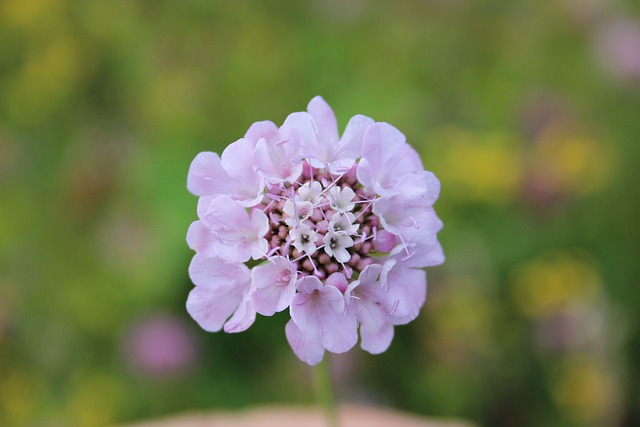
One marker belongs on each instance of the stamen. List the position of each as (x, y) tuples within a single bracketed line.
[(273, 251), (409, 256), (415, 224), (312, 263), (273, 218), (269, 205), (396, 304), (347, 270), (343, 169), (304, 255)]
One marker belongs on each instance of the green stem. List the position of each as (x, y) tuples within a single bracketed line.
[(325, 394)]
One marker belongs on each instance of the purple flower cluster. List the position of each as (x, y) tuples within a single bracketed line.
[(336, 229)]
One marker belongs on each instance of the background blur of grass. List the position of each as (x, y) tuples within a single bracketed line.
[(528, 111)]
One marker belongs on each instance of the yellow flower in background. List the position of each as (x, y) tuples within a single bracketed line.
[(554, 280), (480, 167), (20, 395), (50, 74), (94, 399), (463, 329), (50, 60), (584, 390), (30, 15), (569, 161)]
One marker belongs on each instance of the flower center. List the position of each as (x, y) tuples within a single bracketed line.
[(323, 223)]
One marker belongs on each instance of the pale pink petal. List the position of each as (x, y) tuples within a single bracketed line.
[(325, 122), (406, 293), (309, 284), (259, 222), (433, 187), (408, 212), (385, 158), (365, 306), (370, 274), (206, 176), (243, 317), (306, 307), (338, 332), (246, 184), (273, 285), (211, 307), (420, 253), (236, 252), (321, 310), (384, 241), (376, 341), (220, 287), (300, 127), (279, 160), (222, 212), (265, 129), (202, 240), (337, 280), (350, 146), (306, 345), (216, 272), (240, 235)]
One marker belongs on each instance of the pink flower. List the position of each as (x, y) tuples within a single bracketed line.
[(617, 48), (337, 229), (160, 345)]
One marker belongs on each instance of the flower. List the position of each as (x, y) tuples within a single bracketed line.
[(337, 229), (617, 49), (160, 345)]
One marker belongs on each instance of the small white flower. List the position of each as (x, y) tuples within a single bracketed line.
[(309, 193), (341, 198), (343, 223), (336, 245), (297, 212), (304, 238)]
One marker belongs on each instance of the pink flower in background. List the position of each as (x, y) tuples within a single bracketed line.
[(337, 229), (617, 47), (160, 345)]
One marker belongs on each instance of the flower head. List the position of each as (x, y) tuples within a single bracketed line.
[(339, 226)]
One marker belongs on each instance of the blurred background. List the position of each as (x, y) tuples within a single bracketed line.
[(528, 112)]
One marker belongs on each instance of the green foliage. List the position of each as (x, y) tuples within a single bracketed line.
[(532, 320)]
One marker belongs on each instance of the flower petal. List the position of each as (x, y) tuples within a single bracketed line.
[(325, 123), (265, 129), (271, 291), (202, 240), (241, 236), (220, 287), (246, 184), (338, 332), (350, 145), (211, 307), (406, 293), (215, 272), (206, 176), (376, 341), (385, 157), (243, 317), (305, 345)]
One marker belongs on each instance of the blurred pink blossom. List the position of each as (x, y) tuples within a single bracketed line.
[(160, 345), (617, 48)]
